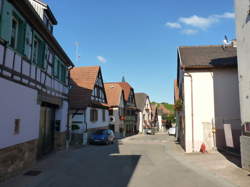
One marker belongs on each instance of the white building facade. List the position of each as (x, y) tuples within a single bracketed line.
[(209, 93), (34, 88), (88, 101), (243, 47), (144, 118)]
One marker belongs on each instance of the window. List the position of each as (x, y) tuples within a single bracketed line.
[(1, 5), (17, 126), (93, 115), (111, 112), (247, 127), (14, 33), (46, 57), (56, 67), (47, 23), (103, 115), (63, 73), (28, 42), (121, 112), (35, 50)]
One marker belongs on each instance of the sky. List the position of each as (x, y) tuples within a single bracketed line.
[(138, 39)]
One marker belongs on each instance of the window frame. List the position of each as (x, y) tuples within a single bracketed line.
[(15, 19), (103, 115), (93, 115), (35, 53)]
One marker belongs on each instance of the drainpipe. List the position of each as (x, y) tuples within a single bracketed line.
[(85, 134), (68, 130), (192, 109)]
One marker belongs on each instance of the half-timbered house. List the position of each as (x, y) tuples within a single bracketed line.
[(34, 85), (88, 102), (130, 109), (144, 117), (116, 103)]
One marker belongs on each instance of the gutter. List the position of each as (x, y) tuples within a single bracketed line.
[(32, 17), (68, 129), (192, 108)]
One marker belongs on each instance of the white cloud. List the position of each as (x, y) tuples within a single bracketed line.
[(173, 25), (189, 31), (101, 59), (199, 22), (226, 15), (205, 22)]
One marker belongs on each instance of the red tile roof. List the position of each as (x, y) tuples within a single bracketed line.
[(113, 93), (126, 88), (83, 80)]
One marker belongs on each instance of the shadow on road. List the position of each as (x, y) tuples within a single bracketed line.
[(231, 157), (91, 166)]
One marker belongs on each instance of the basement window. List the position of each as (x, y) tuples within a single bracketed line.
[(17, 126)]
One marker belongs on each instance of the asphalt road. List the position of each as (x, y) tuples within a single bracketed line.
[(139, 161)]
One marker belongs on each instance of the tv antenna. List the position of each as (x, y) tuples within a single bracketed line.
[(77, 44)]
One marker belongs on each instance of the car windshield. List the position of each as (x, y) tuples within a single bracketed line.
[(100, 132)]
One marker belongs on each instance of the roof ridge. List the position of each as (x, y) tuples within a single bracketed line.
[(200, 46), (86, 66)]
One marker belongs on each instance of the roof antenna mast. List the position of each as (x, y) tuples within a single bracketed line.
[(77, 51)]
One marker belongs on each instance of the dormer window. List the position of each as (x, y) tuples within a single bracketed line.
[(47, 23)]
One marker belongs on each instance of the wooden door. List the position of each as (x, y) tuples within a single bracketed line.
[(46, 131)]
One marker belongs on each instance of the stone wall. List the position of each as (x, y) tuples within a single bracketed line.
[(16, 158), (245, 151)]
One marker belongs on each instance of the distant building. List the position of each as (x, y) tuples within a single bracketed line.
[(130, 109), (243, 46), (144, 117), (88, 101), (207, 84), (116, 103), (34, 85)]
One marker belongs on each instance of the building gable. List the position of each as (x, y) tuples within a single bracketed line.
[(122, 101), (131, 98), (98, 93)]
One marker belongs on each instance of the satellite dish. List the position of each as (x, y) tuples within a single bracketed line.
[(225, 41)]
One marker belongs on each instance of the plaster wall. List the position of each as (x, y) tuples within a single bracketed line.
[(92, 125), (215, 103), (243, 55), (199, 107), (62, 115), (18, 102)]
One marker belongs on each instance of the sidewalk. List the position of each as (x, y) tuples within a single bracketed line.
[(225, 166)]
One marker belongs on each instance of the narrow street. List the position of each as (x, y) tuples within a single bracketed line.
[(135, 161)]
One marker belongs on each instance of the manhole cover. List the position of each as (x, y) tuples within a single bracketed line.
[(33, 173)]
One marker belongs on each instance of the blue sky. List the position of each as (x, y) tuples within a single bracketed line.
[(139, 38)]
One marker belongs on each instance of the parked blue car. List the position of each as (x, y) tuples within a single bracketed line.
[(104, 136)]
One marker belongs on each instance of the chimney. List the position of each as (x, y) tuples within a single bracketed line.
[(234, 43)]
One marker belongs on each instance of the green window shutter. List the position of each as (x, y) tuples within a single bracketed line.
[(28, 42), (6, 21), (46, 54), (55, 66), (63, 73), (59, 69), (41, 53), (21, 36)]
